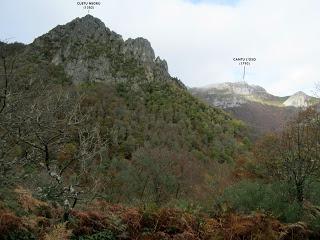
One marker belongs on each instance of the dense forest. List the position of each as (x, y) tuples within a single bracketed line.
[(98, 141)]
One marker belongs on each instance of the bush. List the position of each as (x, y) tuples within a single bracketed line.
[(274, 199), (11, 228)]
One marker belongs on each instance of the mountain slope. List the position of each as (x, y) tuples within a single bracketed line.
[(234, 94), (229, 94), (263, 112), (94, 116), (262, 118)]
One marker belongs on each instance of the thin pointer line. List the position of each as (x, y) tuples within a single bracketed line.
[(244, 72)]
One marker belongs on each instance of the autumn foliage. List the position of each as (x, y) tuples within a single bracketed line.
[(119, 222)]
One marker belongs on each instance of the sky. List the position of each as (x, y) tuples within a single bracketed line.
[(199, 38)]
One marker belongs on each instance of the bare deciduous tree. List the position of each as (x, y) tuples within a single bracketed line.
[(294, 154)]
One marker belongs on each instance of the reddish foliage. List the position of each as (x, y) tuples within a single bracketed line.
[(174, 221), (240, 227), (9, 223), (296, 231), (88, 222), (176, 224), (173, 224), (132, 218)]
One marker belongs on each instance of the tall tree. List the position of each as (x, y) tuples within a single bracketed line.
[(294, 154)]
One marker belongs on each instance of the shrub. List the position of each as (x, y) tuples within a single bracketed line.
[(88, 223), (11, 228), (274, 199)]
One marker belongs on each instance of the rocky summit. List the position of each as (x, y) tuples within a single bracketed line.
[(299, 99), (91, 52)]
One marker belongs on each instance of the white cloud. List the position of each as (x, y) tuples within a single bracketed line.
[(200, 40)]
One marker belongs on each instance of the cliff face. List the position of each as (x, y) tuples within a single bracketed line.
[(90, 52)]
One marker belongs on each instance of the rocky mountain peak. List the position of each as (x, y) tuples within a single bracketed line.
[(299, 99), (89, 51), (88, 22), (300, 93), (90, 19), (80, 30)]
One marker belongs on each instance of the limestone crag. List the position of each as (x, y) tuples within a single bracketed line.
[(90, 52), (140, 48)]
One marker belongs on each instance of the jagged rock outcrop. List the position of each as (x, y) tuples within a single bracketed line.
[(162, 63), (140, 48), (88, 51), (75, 47)]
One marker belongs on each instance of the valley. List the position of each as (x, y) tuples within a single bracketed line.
[(99, 141)]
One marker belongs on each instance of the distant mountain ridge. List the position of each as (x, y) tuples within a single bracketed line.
[(229, 95), (262, 111)]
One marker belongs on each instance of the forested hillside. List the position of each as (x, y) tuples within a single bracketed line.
[(98, 141), (86, 115)]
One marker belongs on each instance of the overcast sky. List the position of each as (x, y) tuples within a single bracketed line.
[(199, 38)]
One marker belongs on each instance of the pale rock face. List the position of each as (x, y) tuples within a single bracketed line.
[(230, 95), (299, 99), (239, 88), (228, 102)]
